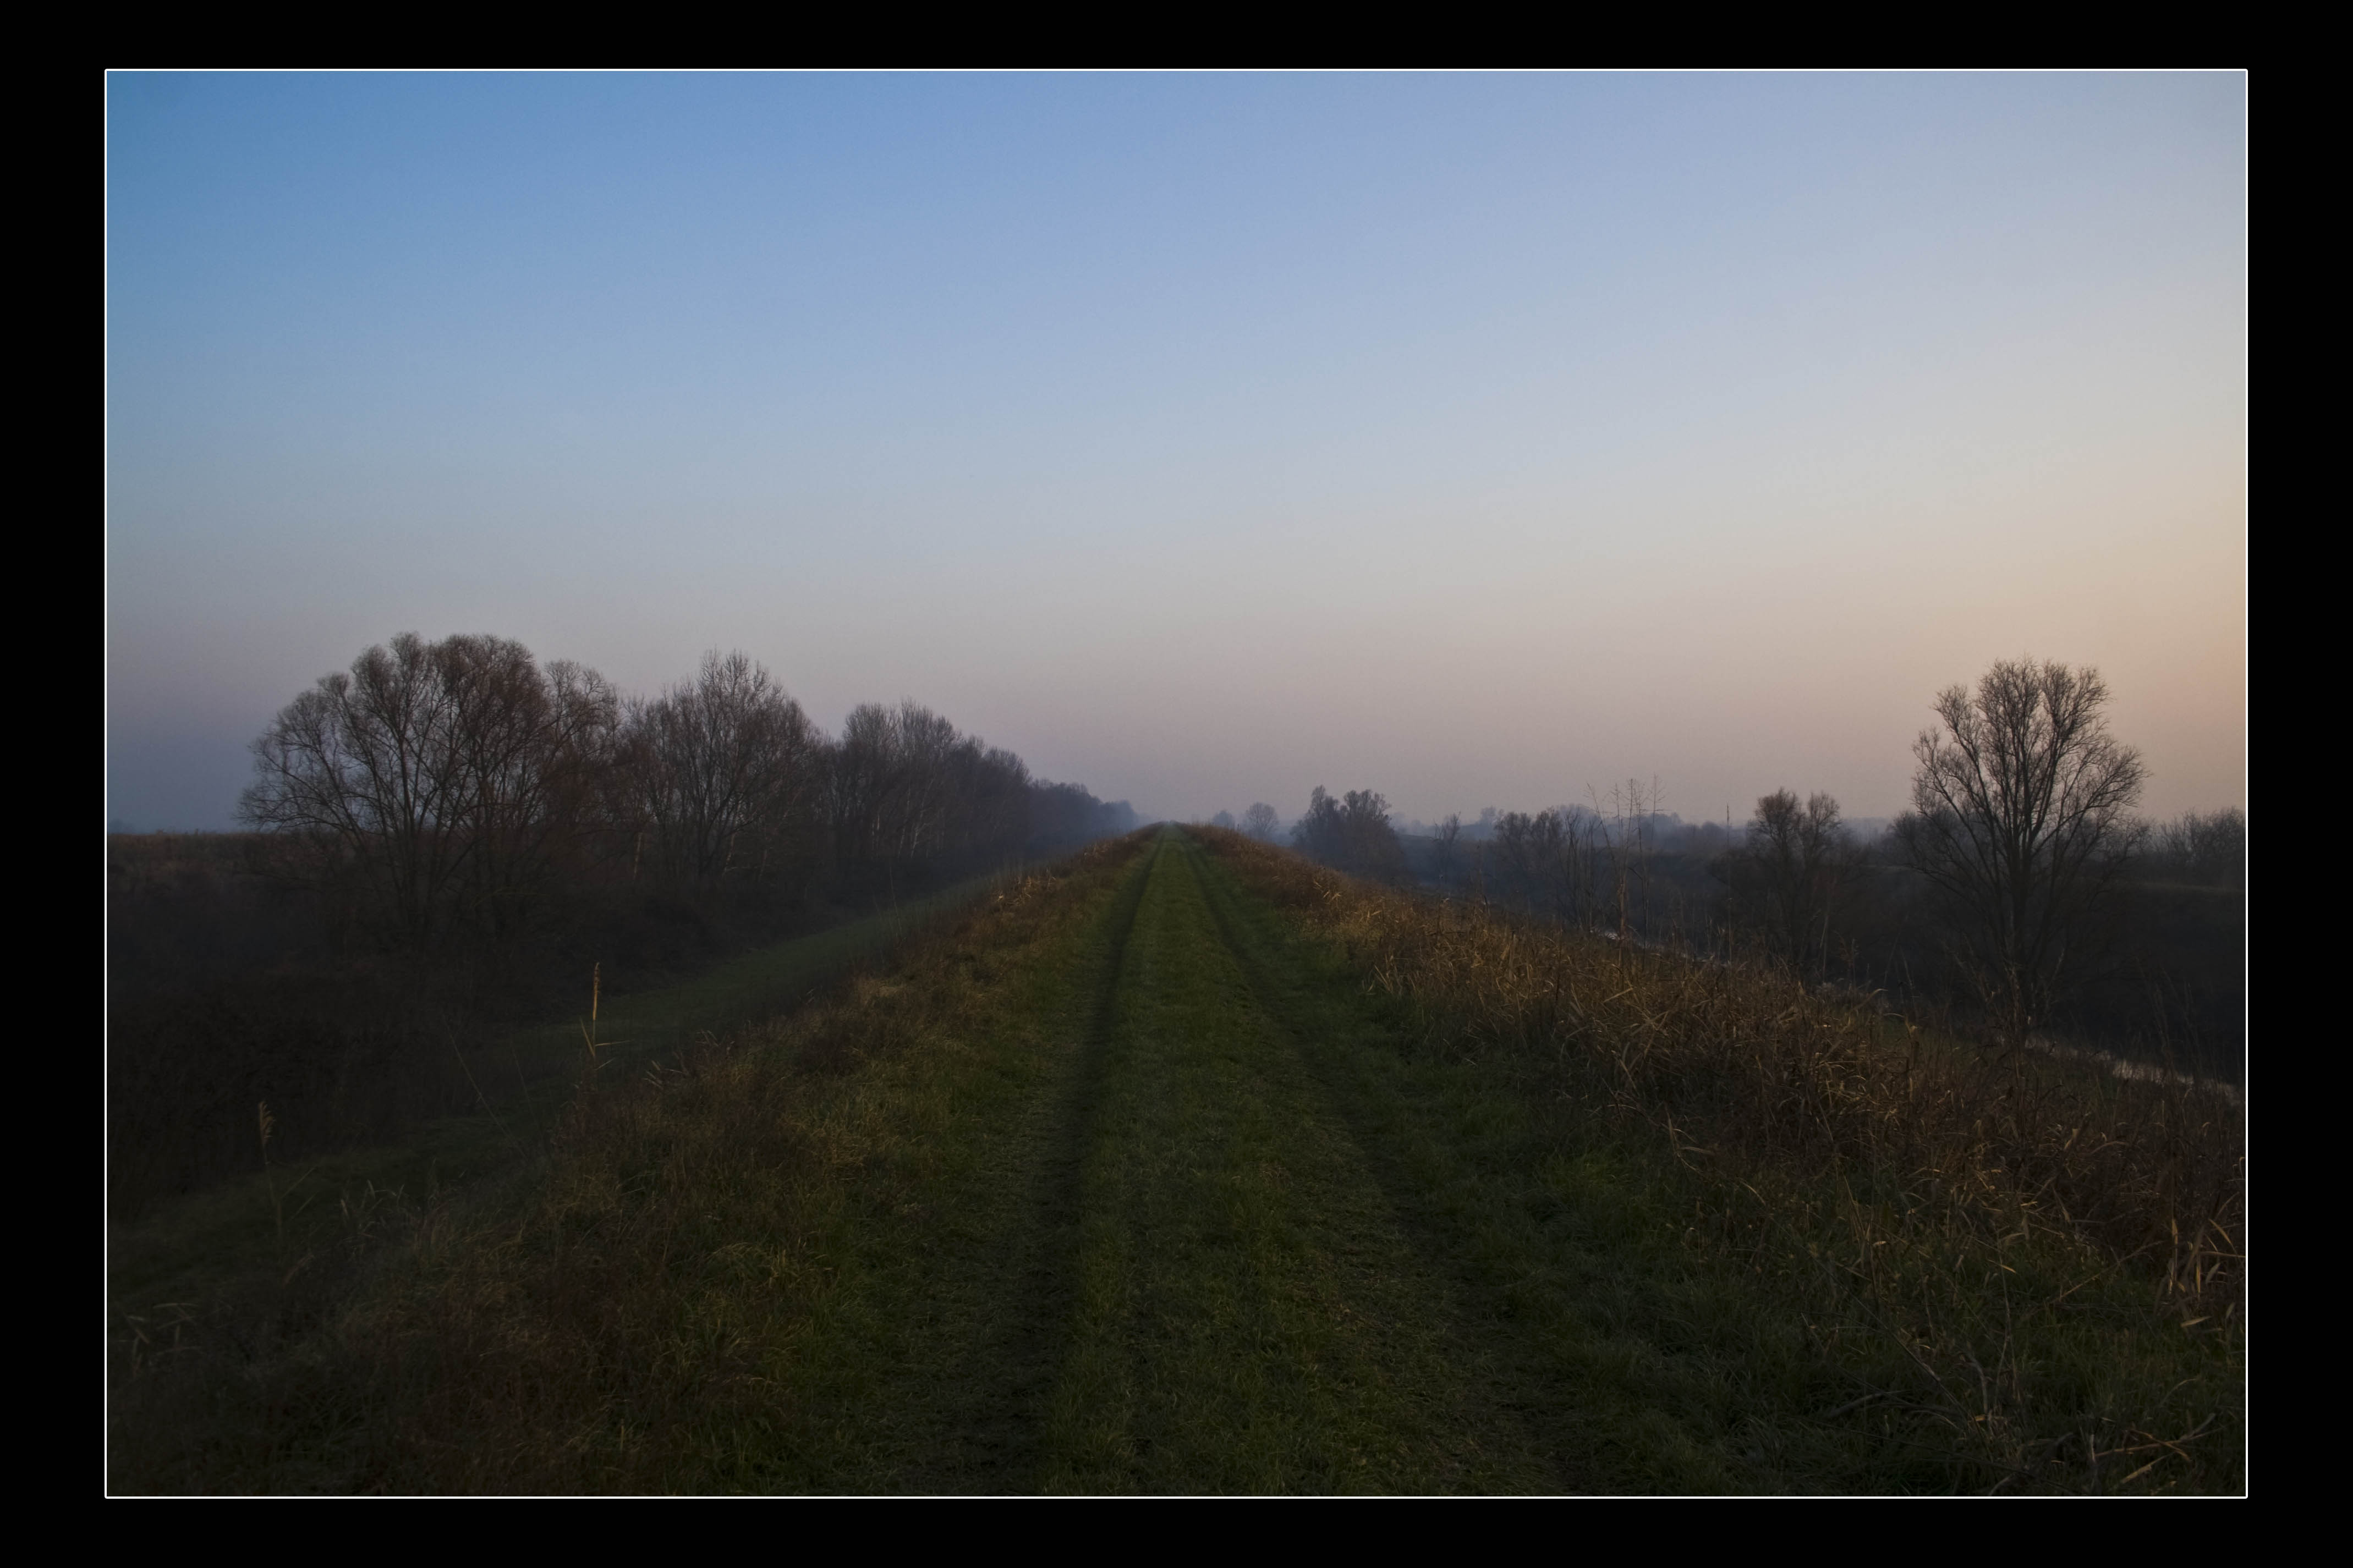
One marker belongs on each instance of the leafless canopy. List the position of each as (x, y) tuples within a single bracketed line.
[(1351, 832), (1798, 860), (906, 785), (2020, 815), (448, 785), (441, 773), (715, 760), (2209, 847)]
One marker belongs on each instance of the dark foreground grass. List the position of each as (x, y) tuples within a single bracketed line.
[(658, 1291), (215, 1296), (521, 1088), (1154, 1174)]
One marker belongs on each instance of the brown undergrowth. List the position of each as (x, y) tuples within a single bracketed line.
[(2007, 1231)]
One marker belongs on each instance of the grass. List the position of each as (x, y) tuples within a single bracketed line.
[(516, 1307), (1907, 1264), (1185, 1167), (258, 1259)]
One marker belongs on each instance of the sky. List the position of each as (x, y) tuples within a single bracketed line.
[(1481, 439)]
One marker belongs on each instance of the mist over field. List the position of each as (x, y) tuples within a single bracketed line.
[(1482, 440)]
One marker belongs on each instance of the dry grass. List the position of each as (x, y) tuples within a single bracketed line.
[(1968, 1210)]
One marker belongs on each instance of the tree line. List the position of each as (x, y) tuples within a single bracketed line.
[(452, 789), (2004, 884)]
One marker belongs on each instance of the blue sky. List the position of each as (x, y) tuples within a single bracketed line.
[(1479, 439)]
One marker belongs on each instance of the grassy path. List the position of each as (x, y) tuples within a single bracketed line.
[(1252, 1311), (1185, 1257), (1116, 1181), (1134, 1191)]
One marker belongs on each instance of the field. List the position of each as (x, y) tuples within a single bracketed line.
[(1182, 1167)]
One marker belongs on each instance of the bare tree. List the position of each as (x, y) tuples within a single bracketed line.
[(992, 816), (1064, 815), (1583, 839), (904, 787), (1518, 874), (2206, 847), (525, 747), (1351, 833), (1262, 822), (448, 780), (725, 758), (2020, 817), (915, 818), (439, 775), (1450, 840), (1623, 832), (1791, 871), (862, 771), (1546, 860), (358, 764)]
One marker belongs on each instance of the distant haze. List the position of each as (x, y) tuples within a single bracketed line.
[(1479, 439)]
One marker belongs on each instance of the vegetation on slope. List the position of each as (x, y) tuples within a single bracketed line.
[(1998, 1270), (1175, 1170)]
